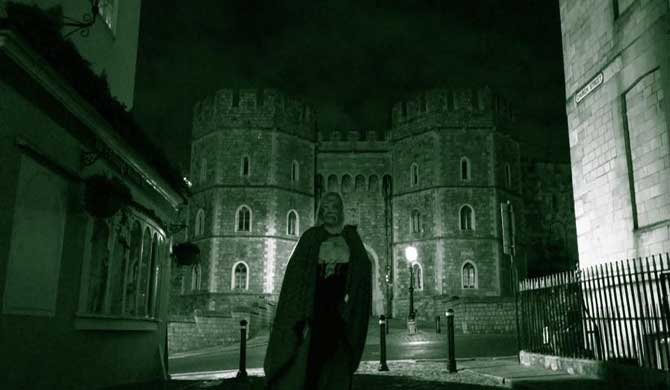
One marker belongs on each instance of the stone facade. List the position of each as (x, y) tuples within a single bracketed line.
[(615, 56), (410, 185), (550, 217)]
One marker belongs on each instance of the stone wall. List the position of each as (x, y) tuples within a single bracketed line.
[(615, 80), (479, 315), (206, 329)]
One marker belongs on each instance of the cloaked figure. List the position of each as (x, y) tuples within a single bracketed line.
[(321, 322)]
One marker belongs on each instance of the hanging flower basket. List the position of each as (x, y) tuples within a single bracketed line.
[(104, 196), (186, 253)]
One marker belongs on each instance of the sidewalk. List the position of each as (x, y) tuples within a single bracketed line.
[(504, 372)]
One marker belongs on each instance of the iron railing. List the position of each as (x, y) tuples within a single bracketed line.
[(616, 311)]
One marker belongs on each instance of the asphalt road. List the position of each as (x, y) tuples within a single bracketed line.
[(466, 346)]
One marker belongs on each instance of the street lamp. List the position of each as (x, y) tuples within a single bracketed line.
[(411, 256)]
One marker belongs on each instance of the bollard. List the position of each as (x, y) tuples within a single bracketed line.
[(438, 329), (451, 354), (242, 373), (382, 344)]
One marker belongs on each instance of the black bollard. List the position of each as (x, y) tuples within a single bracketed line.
[(451, 354), (382, 344), (438, 329), (242, 373)]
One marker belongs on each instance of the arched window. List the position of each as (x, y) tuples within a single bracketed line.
[(195, 278), (240, 276), (295, 171), (467, 218), (415, 221), (418, 276), (292, 223), (414, 175), (465, 169), (243, 219), (360, 183), (508, 175), (97, 288), (347, 184), (132, 270), (333, 184), (469, 275), (245, 167), (199, 228), (373, 183)]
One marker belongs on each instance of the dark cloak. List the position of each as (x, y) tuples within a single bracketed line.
[(286, 357)]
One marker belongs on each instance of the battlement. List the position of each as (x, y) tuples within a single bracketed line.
[(455, 107), (257, 108), (353, 140)]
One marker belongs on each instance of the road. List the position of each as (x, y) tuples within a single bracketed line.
[(427, 345)]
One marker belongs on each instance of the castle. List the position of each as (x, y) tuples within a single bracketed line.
[(435, 181)]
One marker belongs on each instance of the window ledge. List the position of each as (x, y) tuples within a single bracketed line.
[(114, 323)]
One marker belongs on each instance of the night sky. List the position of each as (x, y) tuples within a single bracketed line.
[(351, 59)]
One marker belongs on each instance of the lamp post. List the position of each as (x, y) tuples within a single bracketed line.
[(411, 256)]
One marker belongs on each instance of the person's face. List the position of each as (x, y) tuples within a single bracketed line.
[(331, 209)]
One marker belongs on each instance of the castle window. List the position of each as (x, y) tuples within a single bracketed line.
[(292, 223), (132, 272), (295, 171), (415, 221), (469, 275), (373, 183), (196, 277), (243, 216), (360, 183), (414, 175), (347, 184), (418, 276), (333, 184), (467, 220), (240, 277), (508, 175), (465, 169), (245, 167), (199, 228), (108, 10)]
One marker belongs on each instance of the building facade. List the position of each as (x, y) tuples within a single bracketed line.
[(435, 181), (616, 57), (84, 294)]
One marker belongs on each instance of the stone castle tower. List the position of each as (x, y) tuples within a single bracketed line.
[(252, 167), (435, 180)]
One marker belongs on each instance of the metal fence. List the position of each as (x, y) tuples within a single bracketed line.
[(616, 311)]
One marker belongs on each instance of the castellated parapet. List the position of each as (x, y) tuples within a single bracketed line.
[(449, 108), (253, 108), (353, 141)]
